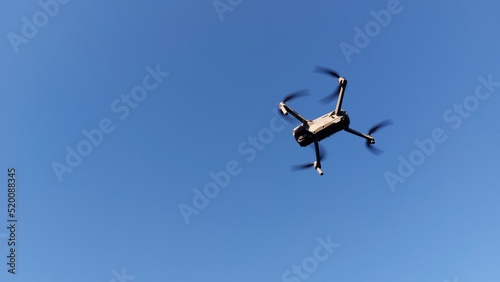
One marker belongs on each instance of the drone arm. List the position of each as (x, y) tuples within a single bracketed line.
[(287, 110), (357, 133), (343, 83)]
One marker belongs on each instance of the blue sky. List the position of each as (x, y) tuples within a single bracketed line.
[(172, 92)]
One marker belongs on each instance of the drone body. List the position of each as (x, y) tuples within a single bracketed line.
[(320, 128), (313, 131)]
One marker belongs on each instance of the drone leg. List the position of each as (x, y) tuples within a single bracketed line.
[(287, 110), (370, 139), (318, 169), (317, 163)]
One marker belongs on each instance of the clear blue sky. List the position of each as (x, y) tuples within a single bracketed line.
[(206, 83)]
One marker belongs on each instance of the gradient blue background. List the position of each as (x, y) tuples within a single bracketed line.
[(120, 207)]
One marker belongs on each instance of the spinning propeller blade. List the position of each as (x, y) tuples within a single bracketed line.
[(336, 92), (379, 125), (294, 95), (374, 129), (373, 149), (331, 97), (327, 71), (322, 156), (302, 166)]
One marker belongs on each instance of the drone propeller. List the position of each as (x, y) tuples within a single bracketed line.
[(336, 92), (322, 156), (302, 166), (294, 95), (379, 125), (374, 129), (327, 71), (331, 97), (376, 151)]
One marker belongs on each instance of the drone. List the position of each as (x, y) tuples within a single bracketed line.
[(313, 131)]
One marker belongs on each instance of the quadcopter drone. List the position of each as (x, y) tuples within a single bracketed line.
[(313, 131)]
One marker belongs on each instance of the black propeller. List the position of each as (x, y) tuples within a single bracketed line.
[(374, 129), (294, 95), (302, 166), (327, 71), (331, 97), (379, 125), (322, 155), (335, 93)]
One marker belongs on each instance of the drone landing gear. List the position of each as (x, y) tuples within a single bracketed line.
[(317, 163), (318, 169)]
